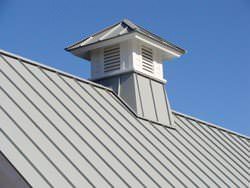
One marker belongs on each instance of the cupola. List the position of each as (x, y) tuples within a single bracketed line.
[(129, 59)]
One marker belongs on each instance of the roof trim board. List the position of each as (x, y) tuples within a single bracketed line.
[(25, 60)]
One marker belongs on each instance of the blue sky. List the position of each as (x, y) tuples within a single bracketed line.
[(210, 82)]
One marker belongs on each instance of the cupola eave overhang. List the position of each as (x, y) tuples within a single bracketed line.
[(130, 31), (168, 51)]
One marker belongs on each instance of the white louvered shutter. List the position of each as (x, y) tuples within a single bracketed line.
[(147, 59), (111, 58)]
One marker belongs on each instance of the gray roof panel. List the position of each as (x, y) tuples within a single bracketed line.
[(61, 131)]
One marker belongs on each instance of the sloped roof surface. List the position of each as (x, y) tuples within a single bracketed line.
[(60, 131), (121, 28)]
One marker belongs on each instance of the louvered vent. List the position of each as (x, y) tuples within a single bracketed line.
[(147, 59), (112, 58)]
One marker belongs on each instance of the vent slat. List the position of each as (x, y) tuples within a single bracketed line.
[(113, 62), (111, 65), (147, 54), (111, 50), (147, 59), (112, 58), (112, 68), (147, 50), (111, 53), (147, 69), (147, 64)]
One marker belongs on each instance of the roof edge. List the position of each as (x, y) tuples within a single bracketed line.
[(135, 28), (15, 169), (211, 125), (29, 61), (71, 47)]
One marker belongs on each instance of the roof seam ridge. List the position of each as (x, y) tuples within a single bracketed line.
[(211, 124), (34, 63)]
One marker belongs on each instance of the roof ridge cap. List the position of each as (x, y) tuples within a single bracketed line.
[(129, 23)]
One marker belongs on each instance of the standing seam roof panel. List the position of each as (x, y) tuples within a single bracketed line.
[(207, 145), (96, 102), (178, 168), (224, 165), (75, 119), (228, 156), (71, 132), (31, 109), (25, 166)]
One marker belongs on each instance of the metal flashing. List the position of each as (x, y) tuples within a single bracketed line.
[(146, 96), (130, 71)]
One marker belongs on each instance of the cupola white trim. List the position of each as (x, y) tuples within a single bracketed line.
[(134, 55)]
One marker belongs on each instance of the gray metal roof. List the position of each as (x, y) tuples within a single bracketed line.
[(123, 27), (146, 97), (61, 131)]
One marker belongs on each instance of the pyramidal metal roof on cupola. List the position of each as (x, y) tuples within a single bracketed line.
[(121, 28), (59, 130)]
